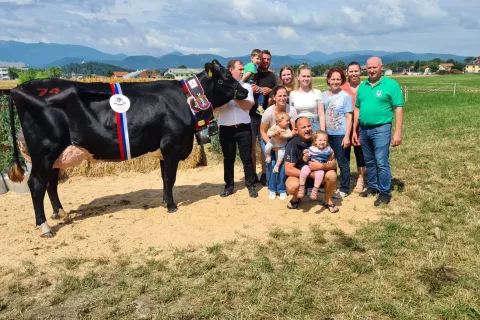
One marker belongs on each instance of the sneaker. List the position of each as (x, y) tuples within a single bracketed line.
[(252, 192), (226, 192), (283, 196), (368, 192), (272, 195), (263, 179), (382, 199), (339, 195), (268, 159)]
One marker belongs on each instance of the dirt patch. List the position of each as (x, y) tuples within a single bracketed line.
[(125, 215)]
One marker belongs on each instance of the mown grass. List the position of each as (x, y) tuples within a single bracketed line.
[(421, 261)]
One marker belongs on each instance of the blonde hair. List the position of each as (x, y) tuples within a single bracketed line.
[(280, 116), (316, 134), (256, 53), (300, 69)]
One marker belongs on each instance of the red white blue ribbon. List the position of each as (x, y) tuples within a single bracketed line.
[(122, 127)]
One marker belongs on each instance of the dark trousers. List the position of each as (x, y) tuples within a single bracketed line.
[(343, 161), (230, 138), (359, 156)]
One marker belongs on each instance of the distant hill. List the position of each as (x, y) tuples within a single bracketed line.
[(41, 54), (97, 68), (51, 54)]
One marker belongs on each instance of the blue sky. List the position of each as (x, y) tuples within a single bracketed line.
[(235, 27)]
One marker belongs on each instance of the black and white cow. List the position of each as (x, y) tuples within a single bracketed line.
[(57, 114)]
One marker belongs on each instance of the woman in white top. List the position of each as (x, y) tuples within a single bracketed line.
[(276, 181), (308, 101)]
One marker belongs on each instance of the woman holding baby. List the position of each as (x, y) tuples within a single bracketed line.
[(274, 116)]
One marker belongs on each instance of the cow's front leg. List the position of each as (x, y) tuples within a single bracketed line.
[(169, 175)]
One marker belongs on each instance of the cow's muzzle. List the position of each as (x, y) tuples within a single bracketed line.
[(239, 92)]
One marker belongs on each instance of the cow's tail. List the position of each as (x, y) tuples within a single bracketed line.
[(16, 171)]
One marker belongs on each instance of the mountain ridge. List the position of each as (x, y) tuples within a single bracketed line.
[(54, 54)]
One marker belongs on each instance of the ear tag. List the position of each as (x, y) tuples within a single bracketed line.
[(210, 73)]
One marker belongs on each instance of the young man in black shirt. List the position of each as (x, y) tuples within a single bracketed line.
[(266, 81)]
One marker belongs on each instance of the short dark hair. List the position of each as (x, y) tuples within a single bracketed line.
[(279, 87), (354, 63), (231, 63), (339, 70), (266, 52)]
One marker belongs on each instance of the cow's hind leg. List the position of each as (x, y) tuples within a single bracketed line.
[(162, 170), (58, 212), (169, 175), (37, 183)]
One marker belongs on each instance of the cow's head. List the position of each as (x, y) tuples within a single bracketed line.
[(220, 86)]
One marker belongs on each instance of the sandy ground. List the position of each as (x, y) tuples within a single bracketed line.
[(125, 215)]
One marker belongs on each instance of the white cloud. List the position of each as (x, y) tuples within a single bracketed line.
[(235, 27), (336, 42), (17, 1), (287, 33), (353, 15)]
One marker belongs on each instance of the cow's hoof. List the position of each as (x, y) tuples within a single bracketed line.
[(61, 214), (45, 231), (47, 235), (172, 209)]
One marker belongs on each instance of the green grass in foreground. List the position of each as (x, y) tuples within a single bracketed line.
[(421, 261)]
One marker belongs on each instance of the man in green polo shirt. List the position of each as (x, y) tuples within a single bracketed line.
[(378, 99)]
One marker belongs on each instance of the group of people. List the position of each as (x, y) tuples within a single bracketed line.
[(304, 134)]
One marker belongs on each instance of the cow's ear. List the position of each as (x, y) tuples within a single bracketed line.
[(209, 67)]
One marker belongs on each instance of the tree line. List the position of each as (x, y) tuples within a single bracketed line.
[(106, 70), (87, 69), (397, 66)]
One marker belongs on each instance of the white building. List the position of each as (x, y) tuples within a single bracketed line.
[(5, 65), (182, 73), (388, 72)]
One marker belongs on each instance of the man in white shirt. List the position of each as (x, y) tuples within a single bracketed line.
[(234, 121)]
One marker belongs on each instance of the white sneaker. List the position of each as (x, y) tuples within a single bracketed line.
[(283, 196), (272, 195), (339, 195)]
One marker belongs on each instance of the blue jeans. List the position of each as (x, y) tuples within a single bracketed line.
[(275, 181), (375, 143), (343, 161)]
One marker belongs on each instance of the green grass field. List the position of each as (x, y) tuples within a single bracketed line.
[(421, 261)]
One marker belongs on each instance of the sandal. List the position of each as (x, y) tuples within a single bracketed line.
[(301, 191), (330, 207), (359, 187), (293, 204), (314, 194)]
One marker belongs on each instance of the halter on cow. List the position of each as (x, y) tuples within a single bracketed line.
[(56, 114)]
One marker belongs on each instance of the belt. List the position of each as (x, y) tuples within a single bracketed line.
[(238, 125), (377, 125)]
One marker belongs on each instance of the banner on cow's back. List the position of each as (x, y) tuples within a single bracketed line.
[(120, 104)]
